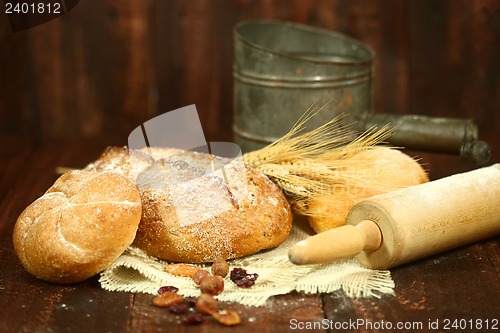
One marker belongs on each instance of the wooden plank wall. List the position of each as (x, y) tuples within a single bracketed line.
[(107, 66)]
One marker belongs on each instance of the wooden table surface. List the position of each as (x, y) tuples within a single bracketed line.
[(459, 288)]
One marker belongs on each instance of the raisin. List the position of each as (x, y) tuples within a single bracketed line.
[(194, 319), (238, 273), (167, 289), (242, 279), (246, 282)]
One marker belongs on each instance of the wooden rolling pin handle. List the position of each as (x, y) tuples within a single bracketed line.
[(343, 242), (372, 234)]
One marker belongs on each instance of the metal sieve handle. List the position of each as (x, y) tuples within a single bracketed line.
[(434, 134)]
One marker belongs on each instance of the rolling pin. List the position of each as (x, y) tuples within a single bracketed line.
[(395, 228)]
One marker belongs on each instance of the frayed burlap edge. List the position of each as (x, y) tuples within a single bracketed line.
[(135, 271)]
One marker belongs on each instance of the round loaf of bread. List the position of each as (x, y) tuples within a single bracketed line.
[(198, 207), (78, 227)]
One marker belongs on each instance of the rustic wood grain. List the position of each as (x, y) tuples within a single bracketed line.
[(15, 112), (29, 172), (84, 307), (115, 87), (462, 283), (454, 70), (44, 307), (74, 85), (105, 67), (451, 286), (15, 154), (90, 71)]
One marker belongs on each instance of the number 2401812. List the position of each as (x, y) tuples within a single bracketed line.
[(32, 8), (477, 324)]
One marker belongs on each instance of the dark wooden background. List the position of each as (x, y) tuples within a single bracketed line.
[(107, 66), (72, 86)]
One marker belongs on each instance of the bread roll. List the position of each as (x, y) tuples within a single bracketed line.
[(78, 227), (198, 207), (376, 171)]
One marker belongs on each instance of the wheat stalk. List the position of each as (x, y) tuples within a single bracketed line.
[(318, 163), (325, 160)]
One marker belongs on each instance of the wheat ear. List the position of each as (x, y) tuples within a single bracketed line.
[(310, 163)]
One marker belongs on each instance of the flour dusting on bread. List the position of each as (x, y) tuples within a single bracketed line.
[(198, 207)]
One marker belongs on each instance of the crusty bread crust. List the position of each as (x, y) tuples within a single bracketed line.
[(78, 227), (198, 207), (385, 166)]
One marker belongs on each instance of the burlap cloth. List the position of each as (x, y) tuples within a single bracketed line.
[(134, 271)]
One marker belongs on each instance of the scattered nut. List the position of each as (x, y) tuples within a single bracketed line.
[(206, 304), (182, 269), (167, 299), (199, 276), (220, 267), (227, 317), (212, 285)]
